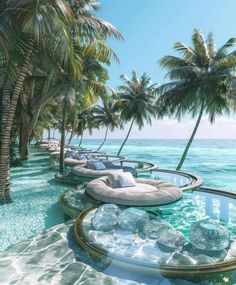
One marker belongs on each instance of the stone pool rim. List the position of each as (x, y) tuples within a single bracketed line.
[(98, 252)]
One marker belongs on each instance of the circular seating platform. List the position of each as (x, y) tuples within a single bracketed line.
[(145, 193)]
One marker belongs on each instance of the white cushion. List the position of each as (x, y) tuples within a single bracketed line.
[(145, 193), (126, 179), (90, 165), (99, 165), (113, 178)]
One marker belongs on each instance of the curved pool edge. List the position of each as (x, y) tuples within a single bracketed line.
[(176, 271), (196, 180)]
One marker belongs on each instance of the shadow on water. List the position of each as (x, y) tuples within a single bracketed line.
[(32, 174), (54, 215)]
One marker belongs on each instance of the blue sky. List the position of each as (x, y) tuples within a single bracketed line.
[(150, 28)]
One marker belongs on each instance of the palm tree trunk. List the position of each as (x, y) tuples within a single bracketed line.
[(63, 127), (24, 135), (53, 134), (6, 132), (124, 142), (49, 134), (191, 139), (104, 139), (71, 137), (73, 128), (81, 139)]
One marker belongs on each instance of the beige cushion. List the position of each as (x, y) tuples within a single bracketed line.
[(73, 162), (113, 178), (145, 193), (82, 171), (126, 179)]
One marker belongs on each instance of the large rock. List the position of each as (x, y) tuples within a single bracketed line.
[(209, 235), (106, 217), (178, 258), (166, 236), (204, 256), (133, 219)]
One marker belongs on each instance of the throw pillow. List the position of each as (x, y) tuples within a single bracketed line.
[(126, 180)]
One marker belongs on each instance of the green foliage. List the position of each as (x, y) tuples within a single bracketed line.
[(136, 99), (202, 75)]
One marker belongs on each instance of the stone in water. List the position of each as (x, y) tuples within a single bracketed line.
[(165, 234), (133, 219), (106, 217), (209, 235), (178, 258)]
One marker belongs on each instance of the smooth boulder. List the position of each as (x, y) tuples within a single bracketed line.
[(209, 235), (165, 234)]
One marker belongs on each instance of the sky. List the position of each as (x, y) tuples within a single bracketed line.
[(150, 28)]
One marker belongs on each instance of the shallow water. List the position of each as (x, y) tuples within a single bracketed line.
[(35, 195)]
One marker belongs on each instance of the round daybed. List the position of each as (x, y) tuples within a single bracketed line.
[(68, 161), (90, 174), (145, 193)]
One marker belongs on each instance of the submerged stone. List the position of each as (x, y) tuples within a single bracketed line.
[(133, 219), (167, 237), (203, 255), (178, 258), (209, 235), (106, 217), (154, 228)]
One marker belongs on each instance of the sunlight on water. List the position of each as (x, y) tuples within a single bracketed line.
[(34, 208)]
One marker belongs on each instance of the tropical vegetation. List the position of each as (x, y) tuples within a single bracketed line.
[(48, 49), (53, 60), (200, 82), (137, 98)]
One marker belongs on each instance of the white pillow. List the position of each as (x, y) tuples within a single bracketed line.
[(99, 165), (126, 180), (113, 177)]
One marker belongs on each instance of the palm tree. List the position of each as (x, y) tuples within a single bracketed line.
[(25, 27), (200, 81), (89, 33), (85, 121), (107, 116), (137, 98)]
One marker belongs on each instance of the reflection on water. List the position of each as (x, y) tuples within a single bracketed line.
[(216, 213)]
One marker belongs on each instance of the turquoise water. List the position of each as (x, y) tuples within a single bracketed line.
[(35, 195), (213, 160)]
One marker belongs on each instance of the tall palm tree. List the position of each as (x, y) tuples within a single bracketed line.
[(137, 98), (200, 81), (89, 33), (25, 27), (107, 116)]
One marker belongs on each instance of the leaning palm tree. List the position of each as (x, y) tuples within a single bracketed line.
[(26, 27), (107, 116), (137, 98), (200, 81)]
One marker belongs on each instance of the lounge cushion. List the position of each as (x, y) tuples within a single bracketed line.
[(113, 178), (73, 162), (85, 172), (126, 180), (145, 193)]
